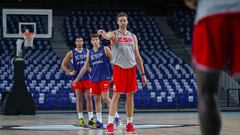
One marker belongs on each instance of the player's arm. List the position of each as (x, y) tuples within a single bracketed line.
[(108, 52), (140, 63), (106, 35), (65, 61), (84, 69), (89, 68)]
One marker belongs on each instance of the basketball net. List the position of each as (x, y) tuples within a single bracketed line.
[(28, 39)]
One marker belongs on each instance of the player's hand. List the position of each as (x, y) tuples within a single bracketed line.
[(89, 69), (144, 80), (100, 32), (72, 73), (75, 82), (192, 4), (111, 79)]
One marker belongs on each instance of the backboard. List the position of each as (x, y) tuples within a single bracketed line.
[(16, 21)]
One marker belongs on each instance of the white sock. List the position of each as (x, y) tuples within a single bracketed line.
[(116, 115), (99, 117), (129, 119), (80, 115), (90, 115), (110, 119)]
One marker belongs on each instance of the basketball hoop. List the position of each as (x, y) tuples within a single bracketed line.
[(28, 39)]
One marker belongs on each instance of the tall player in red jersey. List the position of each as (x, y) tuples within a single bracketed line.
[(215, 42), (125, 58)]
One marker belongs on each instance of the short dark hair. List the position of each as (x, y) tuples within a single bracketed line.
[(78, 37), (94, 35), (122, 14)]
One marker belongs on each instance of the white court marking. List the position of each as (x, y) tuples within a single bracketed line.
[(74, 127)]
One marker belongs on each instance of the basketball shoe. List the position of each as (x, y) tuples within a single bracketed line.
[(110, 129), (130, 129), (80, 122)]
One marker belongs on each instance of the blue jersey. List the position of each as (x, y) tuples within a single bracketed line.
[(78, 60), (100, 65)]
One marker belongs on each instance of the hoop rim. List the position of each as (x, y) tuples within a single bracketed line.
[(28, 36)]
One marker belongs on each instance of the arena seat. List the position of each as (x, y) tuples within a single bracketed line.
[(172, 87), (181, 19)]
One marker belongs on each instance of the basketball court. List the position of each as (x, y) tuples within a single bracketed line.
[(31, 33), (162, 123)]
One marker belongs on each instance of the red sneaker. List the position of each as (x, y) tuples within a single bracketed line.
[(130, 129), (110, 129)]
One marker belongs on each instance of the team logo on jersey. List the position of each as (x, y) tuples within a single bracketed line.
[(79, 57), (126, 40)]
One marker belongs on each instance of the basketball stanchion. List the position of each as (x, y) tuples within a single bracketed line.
[(18, 100)]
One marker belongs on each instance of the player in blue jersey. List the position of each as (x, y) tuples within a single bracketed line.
[(78, 57), (98, 60)]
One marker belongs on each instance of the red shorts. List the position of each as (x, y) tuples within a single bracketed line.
[(81, 85), (124, 80), (216, 42), (98, 87)]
